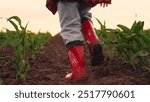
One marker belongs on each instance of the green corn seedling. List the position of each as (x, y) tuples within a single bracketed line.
[(20, 46), (129, 44), (25, 44), (137, 43), (37, 42)]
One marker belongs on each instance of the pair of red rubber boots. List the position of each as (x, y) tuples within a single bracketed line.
[(76, 53)]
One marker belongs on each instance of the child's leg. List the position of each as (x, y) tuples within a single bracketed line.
[(84, 11), (90, 36), (70, 23)]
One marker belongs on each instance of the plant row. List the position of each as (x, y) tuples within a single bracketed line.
[(130, 45), (24, 44)]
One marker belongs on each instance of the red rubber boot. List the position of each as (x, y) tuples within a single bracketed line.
[(93, 42), (76, 57)]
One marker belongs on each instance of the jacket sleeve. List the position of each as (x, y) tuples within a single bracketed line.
[(96, 1), (52, 5)]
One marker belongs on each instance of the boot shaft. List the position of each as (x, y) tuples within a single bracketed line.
[(76, 56), (88, 31), (93, 42)]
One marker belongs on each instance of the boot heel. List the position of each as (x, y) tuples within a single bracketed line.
[(97, 55)]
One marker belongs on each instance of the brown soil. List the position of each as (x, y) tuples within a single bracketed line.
[(52, 64)]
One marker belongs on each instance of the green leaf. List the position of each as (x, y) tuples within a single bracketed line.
[(103, 27), (26, 26), (99, 22), (131, 35), (123, 45), (122, 37), (145, 39), (138, 27), (16, 18), (14, 25), (12, 38), (133, 26), (124, 28), (142, 53)]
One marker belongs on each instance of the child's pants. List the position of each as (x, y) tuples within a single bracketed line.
[(70, 15)]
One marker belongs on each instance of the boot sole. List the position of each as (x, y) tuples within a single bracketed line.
[(77, 79), (69, 76), (97, 55)]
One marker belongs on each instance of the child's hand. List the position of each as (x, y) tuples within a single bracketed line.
[(103, 4)]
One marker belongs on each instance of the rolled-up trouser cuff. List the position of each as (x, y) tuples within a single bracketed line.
[(74, 43)]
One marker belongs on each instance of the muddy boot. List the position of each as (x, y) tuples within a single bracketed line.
[(93, 42), (76, 58)]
